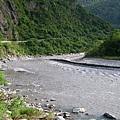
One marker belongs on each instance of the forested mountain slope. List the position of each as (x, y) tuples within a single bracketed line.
[(61, 26), (108, 10), (45, 18)]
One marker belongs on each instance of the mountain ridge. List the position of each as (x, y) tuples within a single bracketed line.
[(106, 9)]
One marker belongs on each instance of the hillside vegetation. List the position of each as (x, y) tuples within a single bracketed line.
[(106, 9), (108, 48), (52, 27), (58, 19)]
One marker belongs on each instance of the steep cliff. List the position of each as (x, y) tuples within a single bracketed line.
[(9, 18)]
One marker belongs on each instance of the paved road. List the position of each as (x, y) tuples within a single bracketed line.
[(12, 41)]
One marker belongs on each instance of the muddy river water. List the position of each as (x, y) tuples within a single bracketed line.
[(95, 89)]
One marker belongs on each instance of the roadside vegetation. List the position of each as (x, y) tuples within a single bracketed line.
[(108, 48), (36, 47), (54, 46)]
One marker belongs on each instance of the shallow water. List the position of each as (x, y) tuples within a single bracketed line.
[(97, 90)]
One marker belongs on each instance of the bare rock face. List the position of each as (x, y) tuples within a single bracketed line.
[(9, 17)]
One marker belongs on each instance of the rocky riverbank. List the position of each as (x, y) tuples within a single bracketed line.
[(48, 111)]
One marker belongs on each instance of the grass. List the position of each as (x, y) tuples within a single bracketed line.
[(16, 108), (2, 79)]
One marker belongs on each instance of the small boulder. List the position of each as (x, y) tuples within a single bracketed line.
[(4, 61), (52, 106), (66, 114), (79, 110), (18, 85), (19, 70), (59, 118), (25, 96), (108, 115), (9, 83), (76, 110), (53, 99), (17, 90), (82, 110), (36, 99), (86, 113)]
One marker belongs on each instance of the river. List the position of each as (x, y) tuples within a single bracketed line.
[(95, 89)]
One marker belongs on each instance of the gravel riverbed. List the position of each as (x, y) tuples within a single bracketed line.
[(72, 86)]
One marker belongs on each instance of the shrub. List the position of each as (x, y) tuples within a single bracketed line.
[(110, 47)]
